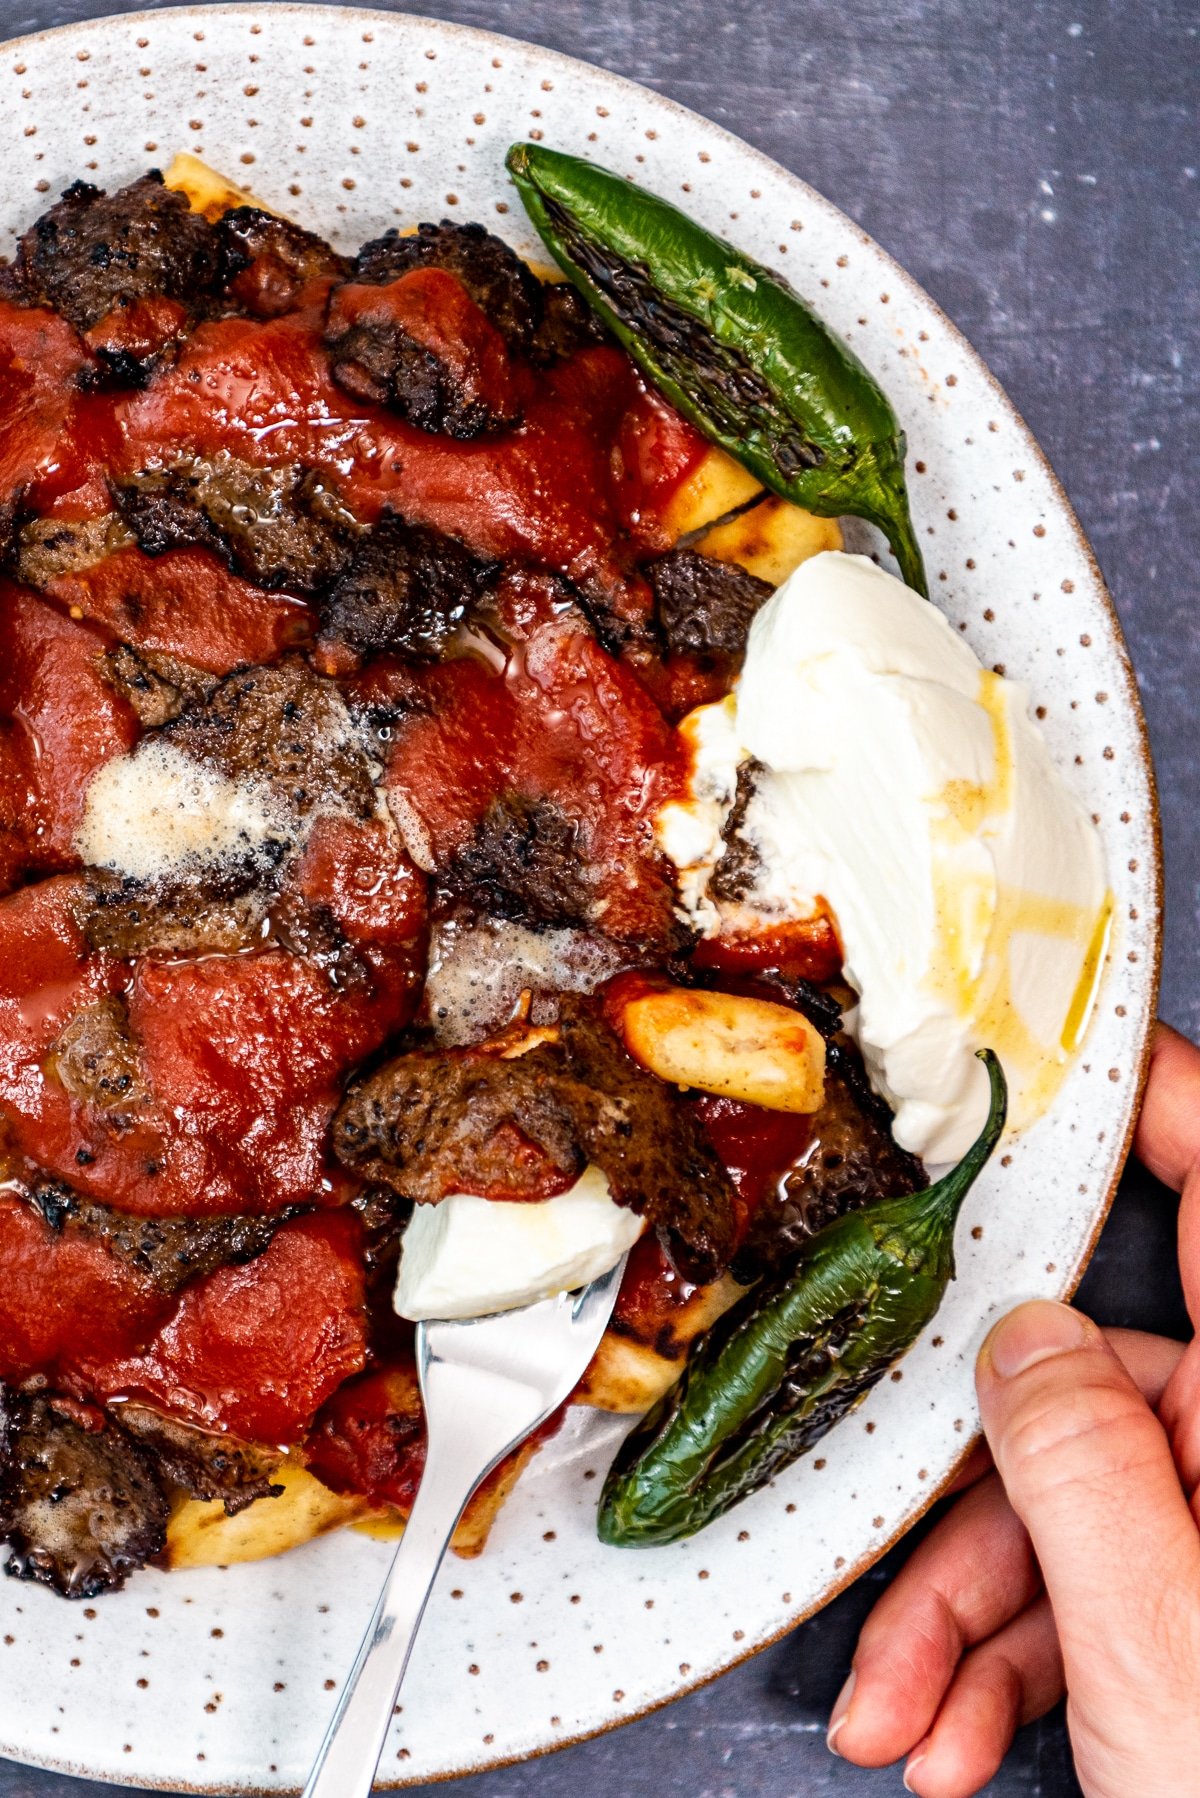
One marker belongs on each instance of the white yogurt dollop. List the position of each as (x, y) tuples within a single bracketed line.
[(468, 1256), (906, 791)]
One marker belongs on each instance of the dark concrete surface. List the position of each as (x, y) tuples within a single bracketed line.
[(1035, 168)]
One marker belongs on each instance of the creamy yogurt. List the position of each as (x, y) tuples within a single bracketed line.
[(906, 791)]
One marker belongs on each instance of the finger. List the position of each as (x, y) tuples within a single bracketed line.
[(1088, 1468), (977, 1465), (1150, 1361), (971, 1574), (1168, 1131), (1007, 1681), (1179, 1413)]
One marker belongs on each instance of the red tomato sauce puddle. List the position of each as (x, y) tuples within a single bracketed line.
[(246, 1054)]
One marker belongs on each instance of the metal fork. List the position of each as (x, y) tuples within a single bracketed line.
[(486, 1382)]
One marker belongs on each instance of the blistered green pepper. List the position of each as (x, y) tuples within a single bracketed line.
[(728, 342), (791, 1358)]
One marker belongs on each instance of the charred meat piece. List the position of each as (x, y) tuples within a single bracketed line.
[(284, 726), (313, 931), (621, 612), (109, 262), (206, 1465), (421, 345), (278, 527), (523, 863), (170, 1251), (426, 324), (267, 261), (282, 729), (853, 1160), (217, 909), (704, 606), (96, 1059), (432, 1123), (406, 589), (49, 548), (428, 1124), (157, 686), (740, 865), (652, 1146), (504, 289), (81, 1509), (568, 324)]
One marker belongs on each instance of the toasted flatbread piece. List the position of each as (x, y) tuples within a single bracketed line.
[(630, 1372), (771, 539), (208, 191)]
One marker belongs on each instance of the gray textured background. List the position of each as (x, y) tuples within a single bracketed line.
[(1036, 168)]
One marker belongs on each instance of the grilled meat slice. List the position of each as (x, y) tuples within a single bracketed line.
[(157, 686), (435, 1122), (506, 291), (278, 527), (567, 326), (105, 260), (652, 1146), (170, 1251), (49, 548), (96, 1059), (206, 1465), (853, 1160), (81, 1509), (431, 1123), (268, 261), (216, 909), (704, 606), (428, 325), (423, 348), (283, 731), (288, 728), (405, 591), (523, 863)]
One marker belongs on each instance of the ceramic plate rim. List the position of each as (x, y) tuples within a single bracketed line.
[(923, 1501)]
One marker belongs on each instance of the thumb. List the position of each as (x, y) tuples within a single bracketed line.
[(1088, 1469)]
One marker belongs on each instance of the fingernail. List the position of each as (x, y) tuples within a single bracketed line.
[(1034, 1332), (837, 1716), (914, 1762)]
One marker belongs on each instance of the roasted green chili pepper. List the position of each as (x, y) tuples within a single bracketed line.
[(791, 1358), (729, 343)]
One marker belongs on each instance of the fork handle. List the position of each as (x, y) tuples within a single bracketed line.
[(349, 1755)]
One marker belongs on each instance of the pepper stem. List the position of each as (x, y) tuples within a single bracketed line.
[(890, 514), (924, 1222)]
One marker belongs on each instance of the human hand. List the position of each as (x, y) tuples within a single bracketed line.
[(1076, 1564)]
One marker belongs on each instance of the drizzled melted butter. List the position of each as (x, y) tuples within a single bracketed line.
[(981, 921)]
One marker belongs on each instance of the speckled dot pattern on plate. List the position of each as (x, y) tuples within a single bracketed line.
[(222, 1680)]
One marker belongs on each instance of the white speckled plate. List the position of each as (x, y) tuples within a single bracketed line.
[(222, 1680)]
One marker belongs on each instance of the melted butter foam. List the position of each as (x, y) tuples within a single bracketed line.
[(478, 972), (155, 812)]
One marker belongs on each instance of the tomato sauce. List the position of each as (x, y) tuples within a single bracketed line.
[(255, 1350), (62, 722), (64, 1299), (186, 604), (245, 1056), (45, 449), (552, 719)]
